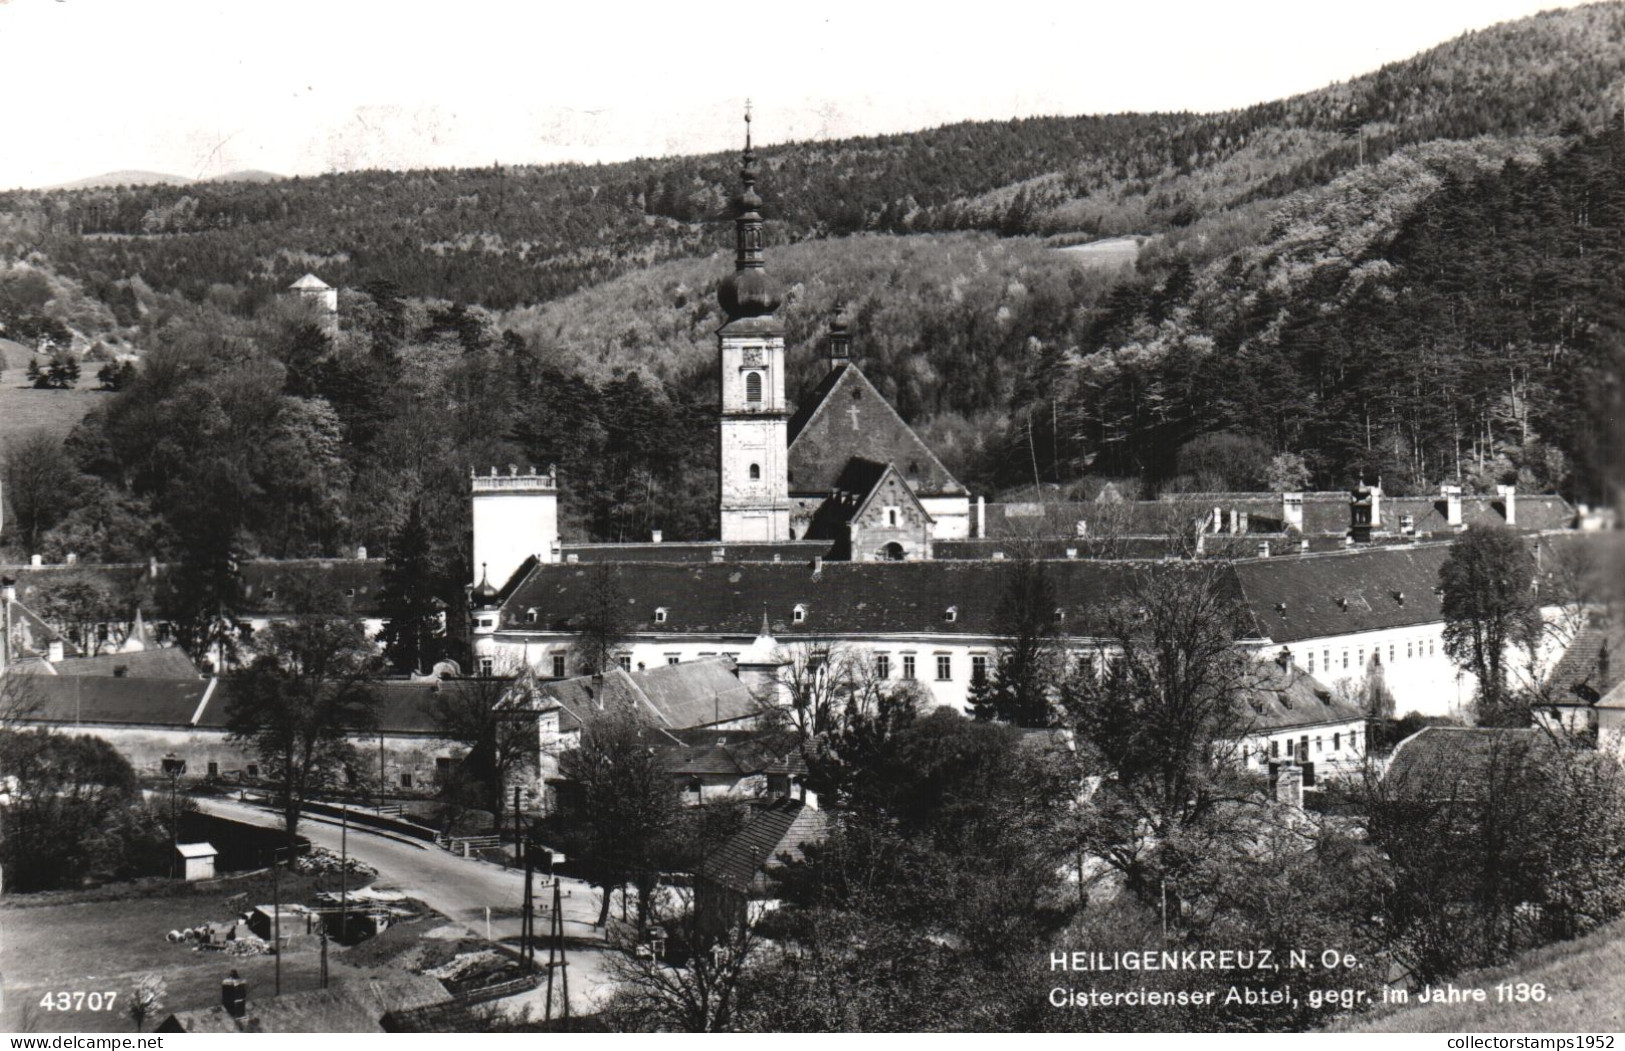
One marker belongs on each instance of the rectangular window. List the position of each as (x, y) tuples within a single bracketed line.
[(214, 769), (1361, 664), (406, 780), (1275, 749), (487, 667), (1390, 653), (908, 665), (978, 667), (1326, 659), (945, 667), (882, 665), (253, 769), (1345, 659), (1303, 749), (443, 768), (1317, 745), (625, 661), (672, 658), (558, 665), (1337, 742), (1408, 653), (1311, 662), (1430, 647)]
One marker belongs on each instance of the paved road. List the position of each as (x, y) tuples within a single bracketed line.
[(460, 889)]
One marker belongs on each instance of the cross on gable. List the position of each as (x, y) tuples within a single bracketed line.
[(852, 411)]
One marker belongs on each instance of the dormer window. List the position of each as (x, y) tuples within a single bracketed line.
[(270, 594), (799, 614), (349, 592), (660, 614), (950, 614), (530, 616), (1060, 614), (753, 386)]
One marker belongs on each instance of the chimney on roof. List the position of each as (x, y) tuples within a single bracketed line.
[(718, 554), (53, 651), (361, 552), (571, 559), (1284, 658), (1365, 511), (36, 561), (152, 567), (71, 559), (818, 566), (656, 536), (981, 517), (1509, 501), (1264, 549), (1292, 511), (234, 995), (1071, 552), (1451, 495), (8, 590)]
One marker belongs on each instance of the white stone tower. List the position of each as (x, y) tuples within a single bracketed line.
[(755, 502), (323, 296), (515, 516)]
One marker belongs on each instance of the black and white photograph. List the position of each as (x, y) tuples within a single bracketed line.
[(1045, 518)]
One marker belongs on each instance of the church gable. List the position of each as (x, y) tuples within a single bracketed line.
[(848, 418), (890, 524)]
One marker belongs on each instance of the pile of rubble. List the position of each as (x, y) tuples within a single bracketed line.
[(233, 938), (320, 862)]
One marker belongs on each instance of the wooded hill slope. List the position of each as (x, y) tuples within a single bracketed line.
[(1439, 302), (515, 235)]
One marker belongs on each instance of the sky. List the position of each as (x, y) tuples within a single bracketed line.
[(198, 88)]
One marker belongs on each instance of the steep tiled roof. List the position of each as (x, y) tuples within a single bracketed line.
[(676, 696), (30, 634), (159, 662), (846, 597), (1276, 698), (1456, 762), (777, 832), (1363, 589), (1325, 514), (403, 708), (846, 418), (1593, 664), (684, 551), (696, 693), (72, 700)]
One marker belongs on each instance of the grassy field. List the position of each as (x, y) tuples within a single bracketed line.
[(108, 945), (1583, 980), (24, 409)]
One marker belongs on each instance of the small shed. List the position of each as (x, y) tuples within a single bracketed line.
[(197, 860)]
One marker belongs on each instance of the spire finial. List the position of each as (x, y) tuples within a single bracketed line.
[(767, 629)]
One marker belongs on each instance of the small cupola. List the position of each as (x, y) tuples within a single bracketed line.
[(840, 338), (484, 596)]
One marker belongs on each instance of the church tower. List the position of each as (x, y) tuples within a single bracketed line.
[(755, 501)]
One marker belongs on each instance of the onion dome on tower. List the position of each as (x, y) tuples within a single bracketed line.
[(748, 292), (483, 595)]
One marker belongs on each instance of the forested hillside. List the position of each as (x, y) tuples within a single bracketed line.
[(1414, 275)]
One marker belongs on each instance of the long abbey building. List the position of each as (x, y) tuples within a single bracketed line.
[(839, 526)]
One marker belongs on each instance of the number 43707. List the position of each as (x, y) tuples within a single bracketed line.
[(80, 1001)]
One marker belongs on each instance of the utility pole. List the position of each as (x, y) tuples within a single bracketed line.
[(527, 924), (276, 919), (344, 869), (556, 960)]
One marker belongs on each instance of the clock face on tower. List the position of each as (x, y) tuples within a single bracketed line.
[(753, 356)]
